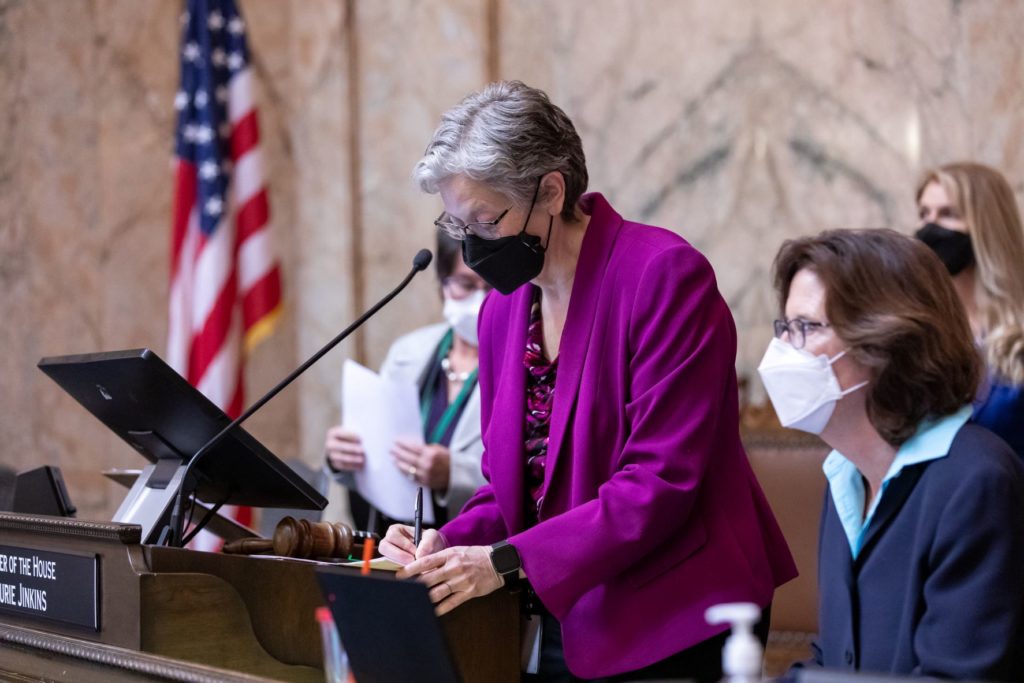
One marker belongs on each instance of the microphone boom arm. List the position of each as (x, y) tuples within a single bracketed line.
[(420, 262)]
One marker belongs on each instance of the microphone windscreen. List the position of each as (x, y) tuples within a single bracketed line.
[(422, 259)]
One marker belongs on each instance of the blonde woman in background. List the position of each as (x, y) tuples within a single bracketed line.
[(969, 218)]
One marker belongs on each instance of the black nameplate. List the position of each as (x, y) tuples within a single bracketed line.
[(49, 585)]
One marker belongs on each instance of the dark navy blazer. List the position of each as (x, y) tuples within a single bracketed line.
[(938, 586), (1000, 407)]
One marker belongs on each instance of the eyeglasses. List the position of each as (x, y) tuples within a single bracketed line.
[(463, 285), (797, 329), (458, 230)]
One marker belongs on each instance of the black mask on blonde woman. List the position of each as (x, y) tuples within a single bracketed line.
[(951, 246)]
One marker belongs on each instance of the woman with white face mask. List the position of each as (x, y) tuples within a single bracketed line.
[(442, 361), (922, 535)]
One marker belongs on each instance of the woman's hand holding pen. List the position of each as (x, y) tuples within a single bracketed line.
[(398, 545), (454, 575)]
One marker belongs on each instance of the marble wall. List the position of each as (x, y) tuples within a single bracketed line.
[(741, 124), (737, 124)]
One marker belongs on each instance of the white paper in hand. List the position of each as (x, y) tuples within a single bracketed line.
[(381, 410)]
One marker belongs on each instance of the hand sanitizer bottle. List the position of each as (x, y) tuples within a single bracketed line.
[(741, 656)]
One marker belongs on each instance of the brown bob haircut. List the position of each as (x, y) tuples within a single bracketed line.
[(892, 303)]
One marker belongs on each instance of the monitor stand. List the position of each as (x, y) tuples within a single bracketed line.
[(150, 498), (147, 508)]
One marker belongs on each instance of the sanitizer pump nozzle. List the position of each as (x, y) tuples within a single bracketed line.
[(741, 656)]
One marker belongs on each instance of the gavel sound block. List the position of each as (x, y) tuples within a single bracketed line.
[(304, 539)]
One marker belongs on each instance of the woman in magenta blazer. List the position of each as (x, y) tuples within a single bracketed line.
[(618, 486)]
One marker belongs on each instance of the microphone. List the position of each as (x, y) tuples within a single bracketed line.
[(422, 259), (419, 262)]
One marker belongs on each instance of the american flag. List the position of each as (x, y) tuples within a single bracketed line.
[(225, 289)]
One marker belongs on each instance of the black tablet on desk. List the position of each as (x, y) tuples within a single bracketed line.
[(387, 627)]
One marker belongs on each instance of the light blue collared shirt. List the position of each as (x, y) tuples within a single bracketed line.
[(931, 441)]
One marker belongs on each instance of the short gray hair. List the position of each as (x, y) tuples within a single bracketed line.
[(506, 136)]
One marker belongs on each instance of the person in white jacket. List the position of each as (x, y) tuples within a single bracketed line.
[(441, 360)]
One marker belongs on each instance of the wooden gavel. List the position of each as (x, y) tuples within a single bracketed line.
[(305, 539)]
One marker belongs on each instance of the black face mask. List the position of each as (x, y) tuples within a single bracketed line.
[(952, 247), (507, 263)]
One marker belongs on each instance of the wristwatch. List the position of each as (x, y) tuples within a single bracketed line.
[(505, 559)]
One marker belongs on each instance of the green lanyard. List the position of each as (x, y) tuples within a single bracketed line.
[(455, 407)]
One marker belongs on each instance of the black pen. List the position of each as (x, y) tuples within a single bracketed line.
[(417, 519)]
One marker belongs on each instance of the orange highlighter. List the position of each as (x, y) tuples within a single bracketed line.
[(367, 555)]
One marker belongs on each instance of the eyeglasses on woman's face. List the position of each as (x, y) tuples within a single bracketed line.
[(456, 229), (797, 329)]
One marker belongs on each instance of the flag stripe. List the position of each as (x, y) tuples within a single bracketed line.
[(209, 339), (247, 178), (262, 298), (221, 378), (240, 99), (179, 325), (185, 199), (252, 217), (213, 266), (245, 136), (253, 262)]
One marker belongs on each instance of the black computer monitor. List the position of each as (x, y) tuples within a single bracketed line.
[(157, 412)]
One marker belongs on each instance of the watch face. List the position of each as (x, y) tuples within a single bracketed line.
[(505, 558)]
